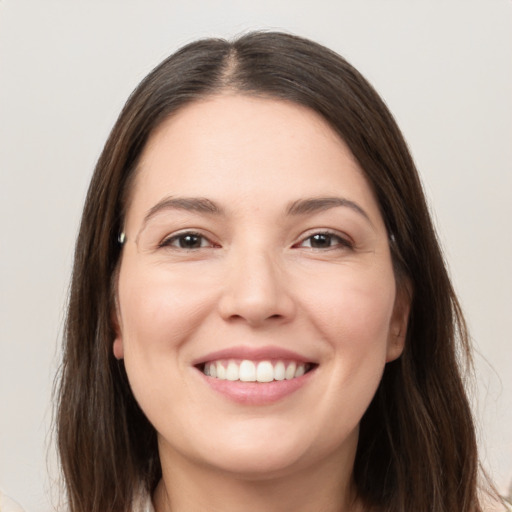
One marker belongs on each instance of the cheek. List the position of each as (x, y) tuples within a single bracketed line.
[(353, 314), (353, 310), (160, 312), (160, 309)]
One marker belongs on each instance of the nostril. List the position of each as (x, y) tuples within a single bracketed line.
[(255, 303)]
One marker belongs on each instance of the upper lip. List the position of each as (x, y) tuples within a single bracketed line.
[(253, 354)]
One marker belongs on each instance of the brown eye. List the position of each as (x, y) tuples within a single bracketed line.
[(325, 241), (321, 241), (187, 241)]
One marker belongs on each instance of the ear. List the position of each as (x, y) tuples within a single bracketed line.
[(117, 346), (399, 321)]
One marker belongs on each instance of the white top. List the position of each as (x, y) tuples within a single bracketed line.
[(8, 505), (141, 504)]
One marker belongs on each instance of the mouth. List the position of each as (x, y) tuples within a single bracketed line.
[(255, 376), (262, 371)]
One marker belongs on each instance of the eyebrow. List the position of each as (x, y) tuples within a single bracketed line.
[(194, 204), (296, 208), (318, 204), (191, 204)]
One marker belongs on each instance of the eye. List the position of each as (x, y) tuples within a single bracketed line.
[(187, 241), (325, 240)]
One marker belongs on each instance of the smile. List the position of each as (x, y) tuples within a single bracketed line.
[(246, 370)]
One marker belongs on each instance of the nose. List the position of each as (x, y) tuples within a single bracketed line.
[(256, 291)]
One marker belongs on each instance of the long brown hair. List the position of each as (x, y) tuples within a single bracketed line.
[(417, 449)]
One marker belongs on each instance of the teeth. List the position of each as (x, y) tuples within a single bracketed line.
[(250, 371), (279, 371), (232, 372), (290, 371), (265, 372), (300, 371), (221, 371), (247, 371)]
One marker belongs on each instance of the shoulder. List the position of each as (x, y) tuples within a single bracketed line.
[(8, 505)]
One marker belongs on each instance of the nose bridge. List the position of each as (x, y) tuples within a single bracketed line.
[(256, 288)]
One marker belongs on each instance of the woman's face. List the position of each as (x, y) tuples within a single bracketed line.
[(255, 252)]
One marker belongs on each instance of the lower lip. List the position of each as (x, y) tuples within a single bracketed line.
[(257, 393)]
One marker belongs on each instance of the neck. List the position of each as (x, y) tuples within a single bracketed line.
[(188, 488)]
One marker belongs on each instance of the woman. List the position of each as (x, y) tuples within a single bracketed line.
[(260, 317)]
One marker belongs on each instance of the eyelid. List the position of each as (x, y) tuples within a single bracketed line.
[(167, 240), (346, 241)]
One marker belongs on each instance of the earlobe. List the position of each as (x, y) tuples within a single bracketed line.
[(399, 322), (396, 344), (117, 346)]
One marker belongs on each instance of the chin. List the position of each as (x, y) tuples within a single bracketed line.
[(270, 449), (251, 464)]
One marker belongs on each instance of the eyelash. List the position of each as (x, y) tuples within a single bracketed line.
[(168, 242), (341, 242), (330, 236)]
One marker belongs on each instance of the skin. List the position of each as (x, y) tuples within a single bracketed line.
[(257, 279)]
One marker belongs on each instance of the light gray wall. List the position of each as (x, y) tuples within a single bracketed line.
[(66, 67)]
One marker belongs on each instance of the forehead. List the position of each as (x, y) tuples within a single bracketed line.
[(235, 148)]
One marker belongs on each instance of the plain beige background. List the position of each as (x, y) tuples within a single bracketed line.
[(66, 67)]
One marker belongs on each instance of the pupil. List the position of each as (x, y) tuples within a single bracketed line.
[(321, 240), (190, 242)]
